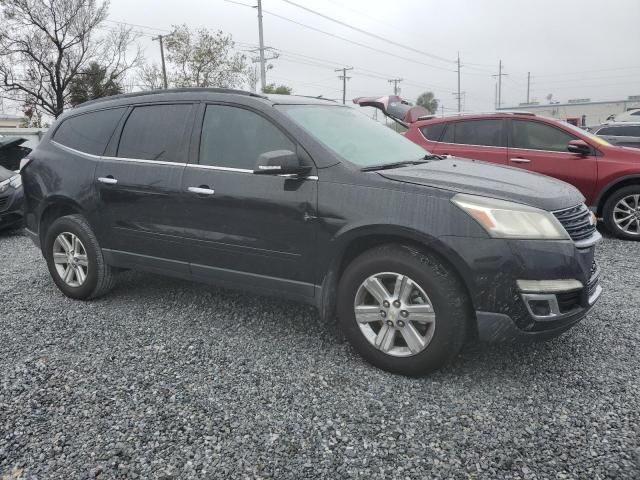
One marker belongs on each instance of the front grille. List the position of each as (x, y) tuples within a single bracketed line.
[(4, 201), (576, 221), (568, 301)]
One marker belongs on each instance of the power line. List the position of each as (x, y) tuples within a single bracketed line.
[(365, 32), (344, 39)]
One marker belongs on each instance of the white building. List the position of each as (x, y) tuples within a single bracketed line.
[(580, 111), (10, 121)]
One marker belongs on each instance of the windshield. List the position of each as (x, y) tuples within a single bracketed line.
[(353, 136)]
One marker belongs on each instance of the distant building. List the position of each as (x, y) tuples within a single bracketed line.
[(580, 111), (10, 121)]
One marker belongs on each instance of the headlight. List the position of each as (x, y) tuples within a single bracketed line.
[(14, 182), (503, 219)]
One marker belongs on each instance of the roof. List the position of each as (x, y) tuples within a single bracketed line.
[(275, 99), (575, 104), (298, 100), (476, 114), (169, 91)]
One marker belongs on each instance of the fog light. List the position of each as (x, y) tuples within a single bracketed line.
[(540, 308)]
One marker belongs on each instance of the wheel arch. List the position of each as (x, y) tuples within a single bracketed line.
[(54, 208), (347, 246), (611, 188)]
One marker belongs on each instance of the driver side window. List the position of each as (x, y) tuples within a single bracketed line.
[(538, 136), (235, 137)]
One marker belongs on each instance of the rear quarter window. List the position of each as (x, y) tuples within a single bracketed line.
[(88, 132), (433, 131)]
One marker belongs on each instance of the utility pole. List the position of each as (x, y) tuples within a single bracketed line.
[(499, 76), (164, 68), (395, 81), (459, 94), (528, 85), (263, 65), (344, 79)]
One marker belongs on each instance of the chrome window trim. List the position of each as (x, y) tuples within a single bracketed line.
[(102, 157), (464, 144), (140, 160), (73, 150), (224, 169), (162, 162)]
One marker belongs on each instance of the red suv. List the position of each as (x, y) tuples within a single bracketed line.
[(608, 176)]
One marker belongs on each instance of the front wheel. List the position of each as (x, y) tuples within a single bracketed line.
[(403, 309), (621, 213)]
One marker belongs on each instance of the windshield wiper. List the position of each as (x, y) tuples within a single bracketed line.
[(387, 166)]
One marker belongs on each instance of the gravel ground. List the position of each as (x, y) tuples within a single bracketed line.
[(169, 379)]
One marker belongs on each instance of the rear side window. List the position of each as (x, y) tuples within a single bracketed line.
[(538, 136), (475, 132), (626, 131), (155, 132), (434, 131), (89, 132), (608, 131), (234, 137)]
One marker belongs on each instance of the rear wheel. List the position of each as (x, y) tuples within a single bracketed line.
[(75, 259), (621, 213), (402, 309)]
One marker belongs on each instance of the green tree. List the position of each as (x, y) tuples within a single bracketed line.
[(93, 82), (428, 101), (280, 89), (203, 59)]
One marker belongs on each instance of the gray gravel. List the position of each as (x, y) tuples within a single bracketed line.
[(168, 379)]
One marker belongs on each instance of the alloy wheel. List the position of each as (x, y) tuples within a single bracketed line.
[(394, 314), (70, 259), (626, 214)]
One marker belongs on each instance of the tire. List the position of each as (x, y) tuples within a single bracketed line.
[(442, 339), (614, 211), (99, 277)]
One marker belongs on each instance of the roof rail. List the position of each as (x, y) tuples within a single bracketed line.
[(171, 90), (463, 114)]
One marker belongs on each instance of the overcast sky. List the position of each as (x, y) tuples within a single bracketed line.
[(573, 48)]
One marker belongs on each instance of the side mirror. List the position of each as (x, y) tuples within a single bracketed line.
[(580, 147), (280, 162)]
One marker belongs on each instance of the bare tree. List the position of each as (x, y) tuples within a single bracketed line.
[(204, 59), (150, 77), (45, 44)]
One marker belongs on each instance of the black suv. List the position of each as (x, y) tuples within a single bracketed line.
[(311, 200)]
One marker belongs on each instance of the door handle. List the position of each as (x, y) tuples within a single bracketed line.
[(109, 180), (520, 160), (201, 190)]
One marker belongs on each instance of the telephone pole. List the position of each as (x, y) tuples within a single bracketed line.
[(499, 76), (263, 65), (395, 81), (164, 68), (459, 94), (528, 85), (344, 79)]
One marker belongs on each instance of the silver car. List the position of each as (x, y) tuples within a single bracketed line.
[(623, 134)]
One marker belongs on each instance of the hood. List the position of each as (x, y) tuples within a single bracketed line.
[(6, 174), (479, 178), (9, 142), (394, 107)]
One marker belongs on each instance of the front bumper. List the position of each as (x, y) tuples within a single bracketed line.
[(492, 269), (11, 213)]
